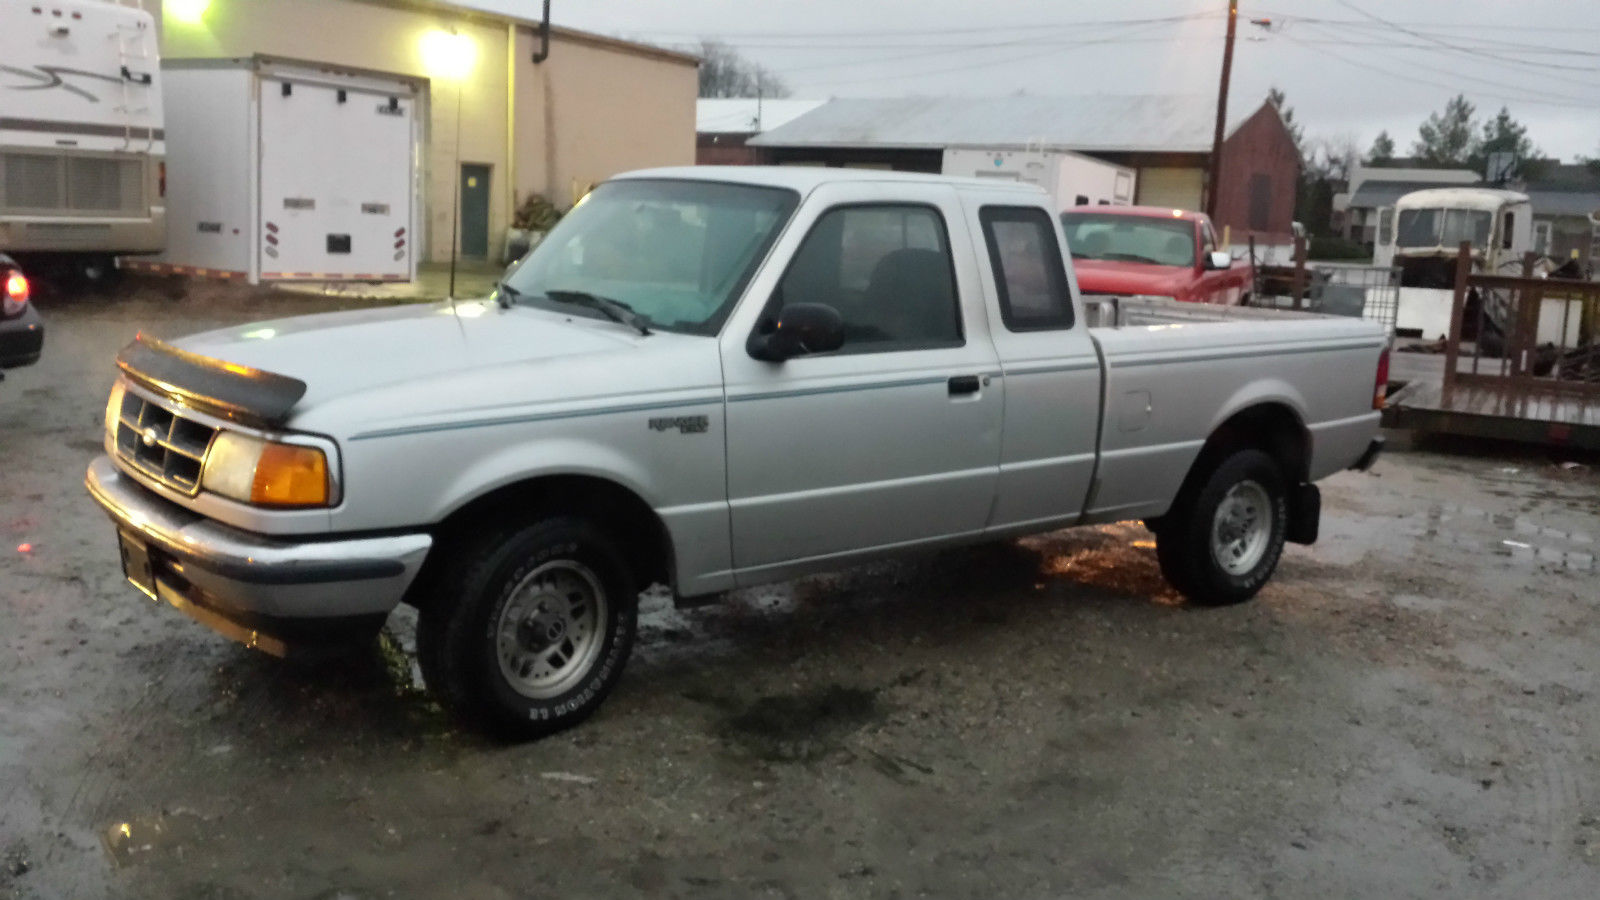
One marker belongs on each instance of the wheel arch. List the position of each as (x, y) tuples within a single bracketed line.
[(618, 509), (1272, 426)]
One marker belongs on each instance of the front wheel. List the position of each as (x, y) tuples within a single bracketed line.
[(530, 629), (1223, 543)]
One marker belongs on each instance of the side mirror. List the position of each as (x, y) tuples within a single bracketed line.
[(801, 328), (1219, 259)]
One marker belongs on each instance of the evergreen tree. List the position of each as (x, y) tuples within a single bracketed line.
[(1448, 137), (1382, 152)]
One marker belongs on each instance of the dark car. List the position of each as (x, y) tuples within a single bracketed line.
[(21, 331)]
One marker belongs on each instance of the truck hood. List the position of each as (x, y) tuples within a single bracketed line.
[(342, 354), (1107, 276)]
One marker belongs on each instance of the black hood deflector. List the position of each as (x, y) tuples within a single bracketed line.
[(238, 393)]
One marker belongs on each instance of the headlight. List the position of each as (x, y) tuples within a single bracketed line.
[(265, 473)]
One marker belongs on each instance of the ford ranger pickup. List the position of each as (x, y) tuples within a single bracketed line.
[(710, 378)]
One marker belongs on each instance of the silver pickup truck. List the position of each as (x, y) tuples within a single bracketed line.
[(711, 378)]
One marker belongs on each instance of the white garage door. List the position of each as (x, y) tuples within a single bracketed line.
[(336, 183)]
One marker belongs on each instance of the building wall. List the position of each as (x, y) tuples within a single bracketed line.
[(1570, 236), (1259, 152), (726, 149), (595, 107), (896, 159)]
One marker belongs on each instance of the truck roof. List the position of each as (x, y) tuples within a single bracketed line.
[(1150, 212), (807, 178)]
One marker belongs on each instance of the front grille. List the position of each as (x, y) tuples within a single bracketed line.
[(162, 444)]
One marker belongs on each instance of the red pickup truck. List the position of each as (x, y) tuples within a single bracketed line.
[(1153, 251)]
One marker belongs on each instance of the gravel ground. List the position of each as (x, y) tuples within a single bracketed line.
[(1407, 710)]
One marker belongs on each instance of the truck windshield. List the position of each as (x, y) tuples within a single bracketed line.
[(677, 253), (1139, 239), (1443, 227)]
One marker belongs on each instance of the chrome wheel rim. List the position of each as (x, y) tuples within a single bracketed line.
[(1241, 528), (550, 631)]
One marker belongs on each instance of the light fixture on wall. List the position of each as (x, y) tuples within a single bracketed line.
[(187, 12), (448, 55)]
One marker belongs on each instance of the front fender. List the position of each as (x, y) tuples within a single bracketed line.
[(549, 457)]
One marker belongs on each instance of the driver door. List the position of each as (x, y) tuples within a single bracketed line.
[(892, 440)]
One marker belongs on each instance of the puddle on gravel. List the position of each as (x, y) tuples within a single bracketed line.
[(1519, 539), (134, 841), (802, 727)]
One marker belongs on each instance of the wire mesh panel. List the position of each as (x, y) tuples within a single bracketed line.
[(1364, 292), (1368, 292)]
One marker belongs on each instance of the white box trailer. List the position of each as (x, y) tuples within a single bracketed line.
[(1071, 178), (291, 171)]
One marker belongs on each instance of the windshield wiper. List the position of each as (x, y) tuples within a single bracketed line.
[(615, 310), (505, 295)]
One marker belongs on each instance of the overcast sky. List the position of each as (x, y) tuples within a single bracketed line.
[(1366, 65)]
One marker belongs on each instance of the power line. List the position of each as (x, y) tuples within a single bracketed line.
[(1495, 27), (1459, 49), (1123, 38), (1454, 52), (953, 30), (1453, 87), (1053, 43), (1512, 48)]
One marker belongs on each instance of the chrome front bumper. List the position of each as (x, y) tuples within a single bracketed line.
[(263, 591)]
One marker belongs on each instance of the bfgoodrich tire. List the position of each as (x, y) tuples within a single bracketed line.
[(1221, 544), (530, 629)]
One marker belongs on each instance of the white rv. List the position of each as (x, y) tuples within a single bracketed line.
[(1071, 179), (82, 141)]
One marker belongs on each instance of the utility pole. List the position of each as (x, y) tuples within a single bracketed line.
[(1215, 179)]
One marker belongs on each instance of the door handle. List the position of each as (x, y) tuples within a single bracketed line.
[(963, 384)]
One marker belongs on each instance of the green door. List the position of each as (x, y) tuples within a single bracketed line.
[(474, 210)]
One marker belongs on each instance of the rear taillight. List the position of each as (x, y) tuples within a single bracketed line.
[(16, 295), (161, 179), (1380, 387)]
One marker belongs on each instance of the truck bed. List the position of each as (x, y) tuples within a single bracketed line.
[(1175, 372), (1104, 311)]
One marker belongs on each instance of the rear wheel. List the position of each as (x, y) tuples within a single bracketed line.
[(530, 629), (1221, 544)]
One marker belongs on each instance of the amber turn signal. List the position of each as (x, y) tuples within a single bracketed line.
[(290, 475)]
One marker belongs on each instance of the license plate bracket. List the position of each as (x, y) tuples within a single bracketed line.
[(136, 563)]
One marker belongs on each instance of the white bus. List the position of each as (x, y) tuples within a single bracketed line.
[(82, 141), (1423, 231)]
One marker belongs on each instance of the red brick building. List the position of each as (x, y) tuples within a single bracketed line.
[(1260, 175)]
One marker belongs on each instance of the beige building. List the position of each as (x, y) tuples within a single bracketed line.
[(595, 106)]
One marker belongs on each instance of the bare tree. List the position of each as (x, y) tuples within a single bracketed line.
[(1331, 158), (724, 72)]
